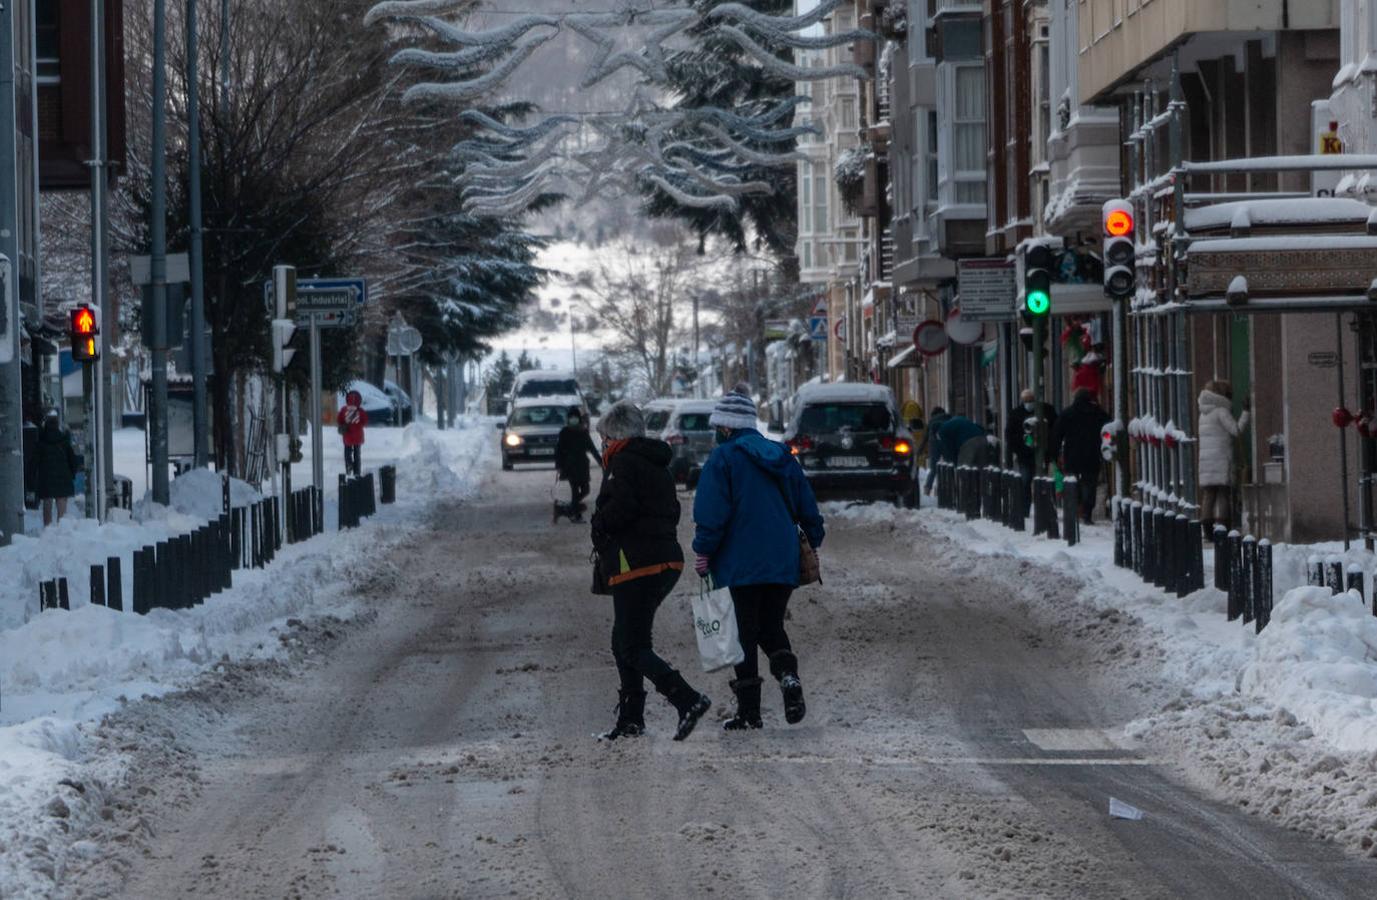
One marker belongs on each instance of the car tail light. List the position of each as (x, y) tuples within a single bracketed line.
[(675, 439), (903, 448), (801, 443), (886, 442)]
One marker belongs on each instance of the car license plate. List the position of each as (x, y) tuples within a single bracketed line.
[(847, 462), (542, 451)]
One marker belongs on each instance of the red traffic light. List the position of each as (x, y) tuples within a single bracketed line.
[(83, 321), (84, 329), (1118, 223)]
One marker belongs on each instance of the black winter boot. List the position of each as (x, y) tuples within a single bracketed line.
[(630, 716), (747, 692), (690, 704), (784, 666)]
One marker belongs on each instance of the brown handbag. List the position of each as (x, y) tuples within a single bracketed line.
[(809, 570)]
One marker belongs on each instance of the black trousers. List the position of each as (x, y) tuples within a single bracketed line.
[(1087, 486), (353, 460), (634, 604), (577, 491), (760, 612)]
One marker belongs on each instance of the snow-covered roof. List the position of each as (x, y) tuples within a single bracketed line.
[(545, 375), (550, 400), (1285, 211), (695, 406), (1280, 242), (849, 392)]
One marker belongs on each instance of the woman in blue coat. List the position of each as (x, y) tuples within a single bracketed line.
[(750, 495)]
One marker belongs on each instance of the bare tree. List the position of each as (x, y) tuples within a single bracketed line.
[(638, 296)]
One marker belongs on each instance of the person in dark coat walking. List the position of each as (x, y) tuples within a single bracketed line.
[(1019, 435), (353, 419), (752, 497), (931, 444), (1076, 439), (635, 532), (55, 468), (572, 450)]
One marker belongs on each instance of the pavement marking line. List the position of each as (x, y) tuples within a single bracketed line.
[(1073, 740)]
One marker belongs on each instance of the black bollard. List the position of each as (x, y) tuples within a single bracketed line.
[(1221, 557), (1262, 580), (64, 600), (1117, 507), (1334, 574), (1195, 541), (98, 585), (343, 503), (114, 594), (1185, 559), (1071, 510), (1149, 545), (1135, 527), (1235, 575), (387, 477), (47, 595), (1355, 580), (143, 578), (1247, 589)]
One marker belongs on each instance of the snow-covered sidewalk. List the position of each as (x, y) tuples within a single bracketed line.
[(61, 670), (1266, 719)]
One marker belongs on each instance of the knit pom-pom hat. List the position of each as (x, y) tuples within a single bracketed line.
[(734, 410)]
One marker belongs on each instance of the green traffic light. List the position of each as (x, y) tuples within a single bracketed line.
[(1038, 302)]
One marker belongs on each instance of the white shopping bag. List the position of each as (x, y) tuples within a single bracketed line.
[(714, 622)]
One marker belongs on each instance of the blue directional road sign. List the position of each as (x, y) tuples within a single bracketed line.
[(333, 301)]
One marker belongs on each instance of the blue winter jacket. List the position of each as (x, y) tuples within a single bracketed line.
[(743, 525), (953, 433)]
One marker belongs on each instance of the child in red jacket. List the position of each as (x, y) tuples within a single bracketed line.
[(352, 419)]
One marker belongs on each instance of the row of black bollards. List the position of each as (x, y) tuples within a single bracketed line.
[(1243, 570), (356, 500), (1332, 574), (305, 514), (187, 569), (1164, 547), (1045, 508)]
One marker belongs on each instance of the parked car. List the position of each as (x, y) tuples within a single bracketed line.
[(532, 428), (852, 444), (376, 402), (657, 414), (690, 437), (401, 401)]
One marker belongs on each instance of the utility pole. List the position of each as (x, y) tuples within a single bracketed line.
[(573, 341), (98, 426), (199, 423), (11, 265), (157, 264)]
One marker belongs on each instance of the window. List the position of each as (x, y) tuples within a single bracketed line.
[(968, 135), (848, 113), (805, 196), (538, 415), (545, 387), (819, 200), (693, 422), (831, 417), (960, 38), (47, 37)]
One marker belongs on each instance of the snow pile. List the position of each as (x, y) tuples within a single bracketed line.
[(1317, 659), (60, 669), (200, 493)]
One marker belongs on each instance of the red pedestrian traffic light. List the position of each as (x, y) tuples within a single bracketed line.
[(84, 329)]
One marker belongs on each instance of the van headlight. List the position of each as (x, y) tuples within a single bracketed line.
[(512, 440)]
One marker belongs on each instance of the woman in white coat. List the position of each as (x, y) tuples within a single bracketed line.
[(1218, 432)]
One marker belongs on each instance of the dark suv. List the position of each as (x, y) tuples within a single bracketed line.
[(851, 444)]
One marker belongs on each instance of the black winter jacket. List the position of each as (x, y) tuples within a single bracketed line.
[(636, 516), (56, 463), (1076, 435), (1015, 438), (572, 451)]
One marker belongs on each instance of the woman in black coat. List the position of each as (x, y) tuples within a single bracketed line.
[(635, 531), (55, 467)]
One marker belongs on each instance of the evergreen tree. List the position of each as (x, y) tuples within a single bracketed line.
[(715, 72), (501, 376), (524, 362)]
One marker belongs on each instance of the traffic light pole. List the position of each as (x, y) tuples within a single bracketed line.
[(1039, 392), (317, 439), (199, 423), (157, 265)]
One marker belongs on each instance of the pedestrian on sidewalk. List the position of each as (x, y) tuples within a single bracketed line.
[(352, 420), (56, 466), (1218, 430), (1076, 440), (929, 449), (572, 450), (635, 532), (1020, 434), (752, 497), (960, 441)]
